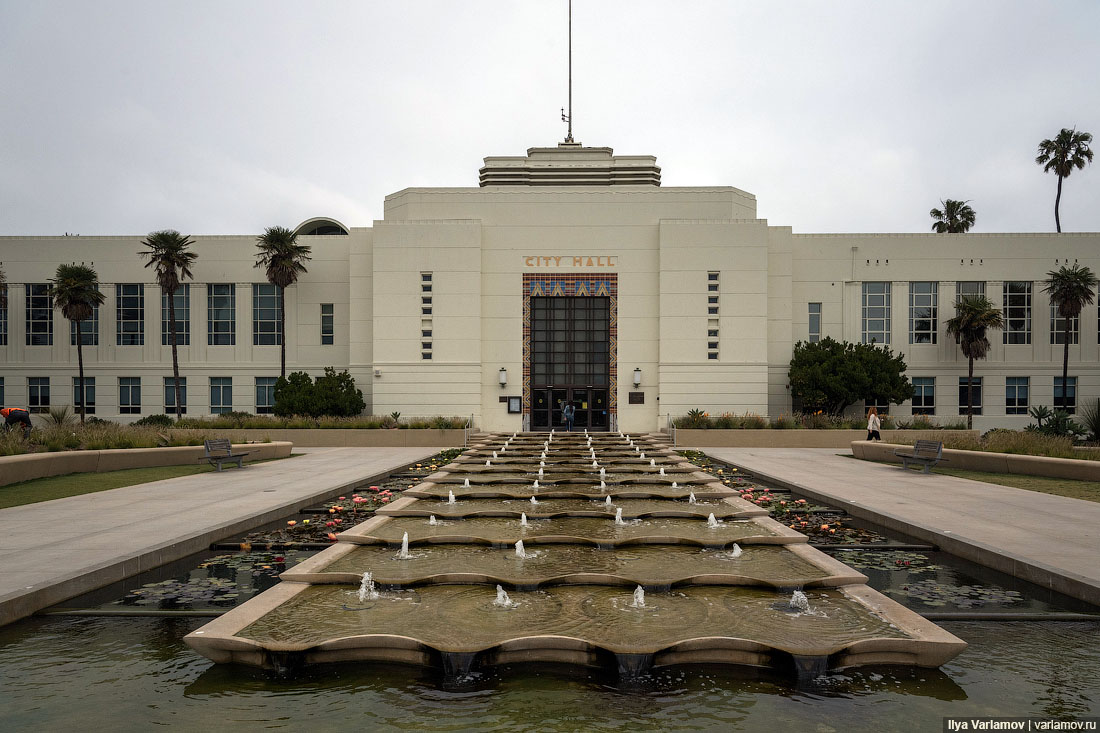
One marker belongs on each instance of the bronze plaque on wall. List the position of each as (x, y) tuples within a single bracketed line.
[(636, 398)]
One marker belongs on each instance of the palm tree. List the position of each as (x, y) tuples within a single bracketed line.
[(956, 217), (1070, 289), (169, 257), (283, 257), (974, 315), (1069, 150), (75, 291)]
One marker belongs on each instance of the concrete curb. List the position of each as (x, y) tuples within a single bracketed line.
[(973, 460)]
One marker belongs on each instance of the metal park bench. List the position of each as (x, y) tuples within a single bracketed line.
[(926, 453), (219, 451)]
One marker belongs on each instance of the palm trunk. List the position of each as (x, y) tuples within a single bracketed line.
[(970, 396), (175, 354), (1057, 200), (80, 367), (282, 330), (1065, 363)]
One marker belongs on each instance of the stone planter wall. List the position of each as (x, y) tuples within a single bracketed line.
[(346, 438), (973, 460), (770, 438), (14, 469)]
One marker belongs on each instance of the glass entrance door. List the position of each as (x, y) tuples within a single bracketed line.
[(570, 361)]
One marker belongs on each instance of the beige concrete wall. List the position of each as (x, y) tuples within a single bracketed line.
[(338, 438), (14, 469), (1067, 468)]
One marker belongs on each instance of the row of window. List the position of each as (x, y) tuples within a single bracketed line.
[(425, 315), (129, 394), (712, 315), (221, 317), (1017, 390), (924, 313)]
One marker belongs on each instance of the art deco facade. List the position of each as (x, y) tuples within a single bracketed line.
[(569, 273)]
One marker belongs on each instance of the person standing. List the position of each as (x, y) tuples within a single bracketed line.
[(17, 416), (569, 413), (873, 424)]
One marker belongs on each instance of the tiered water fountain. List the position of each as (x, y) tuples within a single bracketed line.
[(601, 550)]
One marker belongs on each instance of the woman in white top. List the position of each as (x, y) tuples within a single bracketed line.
[(873, 424)]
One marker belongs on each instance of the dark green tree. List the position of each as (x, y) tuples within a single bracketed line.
[(956, 217), (1070, 289), (830, 375), (333, 394), (171, 259), (1068, 150), (283, 260), (75, 290), (974, 316)]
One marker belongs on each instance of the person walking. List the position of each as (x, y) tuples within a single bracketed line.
[(15, 416), (873, 424), (569, 413)]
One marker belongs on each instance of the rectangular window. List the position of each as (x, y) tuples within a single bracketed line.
[(712, 287), (712, 276), (89, 329), (221, 394), (425, 311), (712, 310), (1016, 389), (923, 312), (182, 302), (426, 333), (882, 409), (170, 395), (712, 298), (326, 324), (129, 395), (426, 300), (876, 313), (815, 322), (1058, 326), (425, 355), (88, 398), (426, 277), (426, 288), (265, 315), (1066, 399), (426, 345), (976, 392), (3, 317), (38, 394), (1016, 304), (924, 395), (221, 314), (712, 333), (969, 289), (130, 314), (39, 315), (265, 395)]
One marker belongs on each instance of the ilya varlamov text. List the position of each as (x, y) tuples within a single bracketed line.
[(1025, 724)]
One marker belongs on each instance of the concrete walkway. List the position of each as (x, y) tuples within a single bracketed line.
[(1049, 540), (55, 550)]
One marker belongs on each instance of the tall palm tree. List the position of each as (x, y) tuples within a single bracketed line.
[(956, 217), (75, 290), (170, 258), (1069, 150), (283, 258), (974, 315), (1071, 289)]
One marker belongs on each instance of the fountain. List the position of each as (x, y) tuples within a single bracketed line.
[(495, 454), (403, 554), (502, 600), (725, 611), (366, 589), (488, 464)]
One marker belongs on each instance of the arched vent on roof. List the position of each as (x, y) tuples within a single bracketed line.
[(320, 226)]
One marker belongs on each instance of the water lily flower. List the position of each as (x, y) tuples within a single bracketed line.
[(385, 499), (331, 537), (330, 524), (291, 523), (824, 526), (331, 511), (343, 498)]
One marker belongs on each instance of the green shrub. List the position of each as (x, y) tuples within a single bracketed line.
[(333, 394), (155, 421), (1090, 418), (752, 421)]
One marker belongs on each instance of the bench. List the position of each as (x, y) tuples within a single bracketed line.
[(219, 451), (925, 453)]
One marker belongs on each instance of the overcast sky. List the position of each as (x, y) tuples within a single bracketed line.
[(226, 117)]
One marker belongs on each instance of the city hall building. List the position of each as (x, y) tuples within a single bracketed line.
[(567, 274)]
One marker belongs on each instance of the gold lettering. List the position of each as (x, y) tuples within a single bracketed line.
[(527, 261), (557, 261), (589, 264), (578, 261)]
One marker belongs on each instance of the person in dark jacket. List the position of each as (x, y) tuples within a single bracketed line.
[(17, 416)]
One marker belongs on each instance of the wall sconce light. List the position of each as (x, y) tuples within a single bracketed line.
[(378, 372), (503, 376), (637, 377)]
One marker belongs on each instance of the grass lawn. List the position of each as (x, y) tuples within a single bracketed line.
[(1087, 490)]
